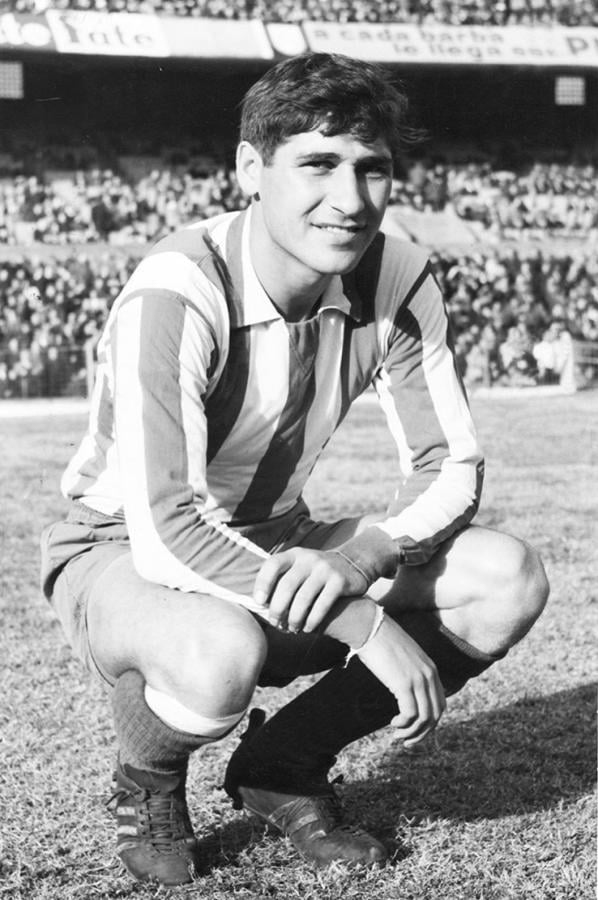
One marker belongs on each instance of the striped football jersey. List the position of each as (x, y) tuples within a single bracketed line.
[(210, 410)]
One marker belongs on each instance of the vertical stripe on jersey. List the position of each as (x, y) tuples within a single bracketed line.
[(167, 398), (360, 287), (165, 447), (157, 395), (99, 437), (383, 389), (226, 401), (345, 379), (234, 257), (412, 397), (427, 272), (159, 449), (435, 429), (278, 463)]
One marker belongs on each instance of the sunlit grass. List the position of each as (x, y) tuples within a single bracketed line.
[(499, 805)]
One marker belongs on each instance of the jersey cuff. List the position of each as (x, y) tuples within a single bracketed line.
[(375, 552)]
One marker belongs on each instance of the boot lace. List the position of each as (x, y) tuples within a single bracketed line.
[(161, 820)]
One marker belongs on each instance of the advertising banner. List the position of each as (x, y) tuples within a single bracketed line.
[(135, 35), (107, 34), (473, 45), (25, 32), (216, 38), (286, 38)]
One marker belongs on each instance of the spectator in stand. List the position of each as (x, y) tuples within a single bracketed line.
[(102, 215), (101, 205), (48, 310), (421, 12), (547, 199), (546, 357), (49, 307), (488, 295), (517, 360), (483, 363)]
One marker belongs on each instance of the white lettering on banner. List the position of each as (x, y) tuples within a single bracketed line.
[(114, 34), (511, 45), (23, 31)]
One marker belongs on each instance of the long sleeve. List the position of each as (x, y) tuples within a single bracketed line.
[(428, 416), (162, 352)]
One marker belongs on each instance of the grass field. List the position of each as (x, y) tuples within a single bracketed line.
[(498, 805)]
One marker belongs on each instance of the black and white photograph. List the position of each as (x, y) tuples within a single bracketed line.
[(298, 406)]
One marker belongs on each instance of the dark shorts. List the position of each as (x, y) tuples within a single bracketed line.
[(77, 551)]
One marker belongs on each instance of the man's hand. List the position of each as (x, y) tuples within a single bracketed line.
[(301, 586), (403, 667)]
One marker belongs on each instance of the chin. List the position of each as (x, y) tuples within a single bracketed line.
[(338, 263), (343, 267)]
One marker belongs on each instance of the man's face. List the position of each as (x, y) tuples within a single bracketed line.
[(321, 203)]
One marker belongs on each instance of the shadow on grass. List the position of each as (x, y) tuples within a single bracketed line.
[(528, 757)]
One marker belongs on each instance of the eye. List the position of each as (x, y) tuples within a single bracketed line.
[(377, 170), (319, 165)]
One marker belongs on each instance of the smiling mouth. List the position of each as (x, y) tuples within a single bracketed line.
[(344, 230)]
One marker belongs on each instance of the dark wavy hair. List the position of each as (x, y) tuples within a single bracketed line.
[(328, 92)]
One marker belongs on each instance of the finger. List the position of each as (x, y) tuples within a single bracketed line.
[(323, 603), (423, 719), (412, 740), (407, 715), (283, 595), (303, 602), (268, 576), (437, 697), (430, 719), (411, 737)]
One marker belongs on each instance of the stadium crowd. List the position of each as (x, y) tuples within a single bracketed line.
[(101, 205), (543, 200), (422, 12), (514, 314), (49, 310), (514, 311)]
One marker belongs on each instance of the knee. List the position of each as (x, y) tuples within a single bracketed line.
[(230, 652), (217, 662), (524, 587)]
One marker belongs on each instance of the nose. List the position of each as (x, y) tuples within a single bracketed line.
[(347, 192)]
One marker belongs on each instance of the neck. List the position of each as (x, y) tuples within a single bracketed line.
[(293, 311), (293, 289)]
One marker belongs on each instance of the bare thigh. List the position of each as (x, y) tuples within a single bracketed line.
[(486, 586), (456, 575), (205, 651)]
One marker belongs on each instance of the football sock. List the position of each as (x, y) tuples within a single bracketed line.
[(145, 740), (298, 745), (181, 718)]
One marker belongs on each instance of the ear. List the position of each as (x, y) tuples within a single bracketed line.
[(249, 168)]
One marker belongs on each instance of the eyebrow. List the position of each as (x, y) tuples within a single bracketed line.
[(376, 159)]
